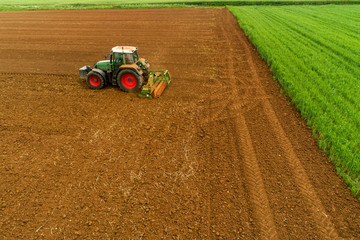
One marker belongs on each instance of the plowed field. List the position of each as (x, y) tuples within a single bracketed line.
[(221, 155)]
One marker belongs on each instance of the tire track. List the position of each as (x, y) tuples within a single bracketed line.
[(262, 212), (326, 227), (314, 204), (258, 198), (227, 213)]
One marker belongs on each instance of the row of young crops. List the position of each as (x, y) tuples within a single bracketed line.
[(314, 53)]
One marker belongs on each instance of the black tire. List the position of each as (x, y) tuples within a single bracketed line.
[(129, 81), (95, 80)]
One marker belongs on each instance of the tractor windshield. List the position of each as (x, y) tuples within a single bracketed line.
[(131, 57)]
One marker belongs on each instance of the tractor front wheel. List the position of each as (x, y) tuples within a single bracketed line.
[(129, 81), (95, 80)]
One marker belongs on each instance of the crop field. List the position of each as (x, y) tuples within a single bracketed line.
[(221, 155), (314, 52)]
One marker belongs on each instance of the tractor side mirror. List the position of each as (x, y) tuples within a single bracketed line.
[(108, 54)]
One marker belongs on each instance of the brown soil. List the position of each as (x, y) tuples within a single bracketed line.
[(221, 155)]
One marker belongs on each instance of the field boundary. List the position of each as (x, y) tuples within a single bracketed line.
[(276, 3), (179, 4)]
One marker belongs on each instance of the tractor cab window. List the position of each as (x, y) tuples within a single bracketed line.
[(117, 57), (136, 57), (129, 58)]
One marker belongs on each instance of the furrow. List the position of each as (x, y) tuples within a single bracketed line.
[(326, 227), (258, 197)]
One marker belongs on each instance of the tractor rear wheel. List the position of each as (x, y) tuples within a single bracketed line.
[(129, 81), (95, 80)]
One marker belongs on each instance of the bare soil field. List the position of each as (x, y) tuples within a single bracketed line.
[(221, 155)]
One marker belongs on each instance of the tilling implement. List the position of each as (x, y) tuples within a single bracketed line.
[(128, 71), (158, 81)]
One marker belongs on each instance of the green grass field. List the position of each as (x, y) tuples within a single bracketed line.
[(8, 5), (314, 53), (16, 5)]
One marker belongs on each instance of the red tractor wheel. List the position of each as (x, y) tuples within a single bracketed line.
[(95, 80), (129, 81)]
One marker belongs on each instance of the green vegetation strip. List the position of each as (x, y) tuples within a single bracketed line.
[(314, 53), (80, 6), (17, 5)]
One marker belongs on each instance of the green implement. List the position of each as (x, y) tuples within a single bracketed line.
[(158, 81)]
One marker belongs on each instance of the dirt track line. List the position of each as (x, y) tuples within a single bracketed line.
[(319, 214), (258, 197), (262, 211), (326, 227)]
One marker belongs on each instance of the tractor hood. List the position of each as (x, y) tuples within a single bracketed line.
[(103, 65), (143, 64)]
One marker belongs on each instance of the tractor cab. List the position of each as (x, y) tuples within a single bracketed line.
[(120, 56), (123, 55)]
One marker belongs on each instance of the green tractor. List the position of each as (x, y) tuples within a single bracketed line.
[(128, 71)]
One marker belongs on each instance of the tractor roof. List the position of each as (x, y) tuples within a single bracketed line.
[(124, 49)]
